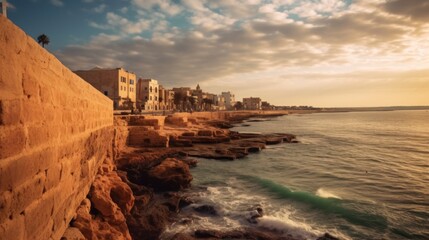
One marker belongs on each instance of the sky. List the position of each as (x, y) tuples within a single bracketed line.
[(324, 53)]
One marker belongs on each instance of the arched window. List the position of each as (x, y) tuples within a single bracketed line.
[(150, 89), (156, 89)]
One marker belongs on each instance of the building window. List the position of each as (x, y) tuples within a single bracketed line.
[(145, 88), (156, 89), (150, 89), (156, 98), (121, 88), (145, 97), (131, 81), (106, 93)]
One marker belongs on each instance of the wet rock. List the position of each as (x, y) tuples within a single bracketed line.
[(255, 214), (273, 141), (206, 209), (327, 236), (248, 234), (148, 222), (208, 234), (182, 236)]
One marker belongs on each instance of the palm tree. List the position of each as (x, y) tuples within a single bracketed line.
[(238, 105), (43, 39)]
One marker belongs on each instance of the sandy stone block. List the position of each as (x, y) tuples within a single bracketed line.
[(53, 175), (10, 78), (27, 193), (38, 218), (12, 140), (18, 199), (10, 112), (46, 94), (14, 172), (13, 229), (32, 110), (38, 135), (29, 82)]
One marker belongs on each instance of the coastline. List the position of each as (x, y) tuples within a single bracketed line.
[(153, 155)]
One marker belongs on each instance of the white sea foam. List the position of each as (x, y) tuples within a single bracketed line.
[(287, 226), (326, 194)]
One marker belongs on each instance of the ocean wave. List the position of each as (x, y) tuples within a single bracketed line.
[(327, 205), (321, 192)]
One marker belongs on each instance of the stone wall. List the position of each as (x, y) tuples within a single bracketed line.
[(55, 132)]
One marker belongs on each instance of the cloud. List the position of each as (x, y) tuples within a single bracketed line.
[(417, 10), (100, 8), (57, 3), (231, 48), (122, 24), (165, 6)]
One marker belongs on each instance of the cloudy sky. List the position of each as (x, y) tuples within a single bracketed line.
[(288, 52)]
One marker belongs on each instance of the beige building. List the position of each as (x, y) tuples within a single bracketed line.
[(117, 83), (229, 100), (166, 99), (252, 103), (148, 94)]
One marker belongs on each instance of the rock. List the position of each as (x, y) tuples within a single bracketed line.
[(182, 236), (327, 236), (109, 194), (206, 209), (205, 133), (189, 134), (208, 234), (111, 198), (247, 233), (171, 175), (272, 141), (72, 233), (181, 142), (148, 223), (255, 214)]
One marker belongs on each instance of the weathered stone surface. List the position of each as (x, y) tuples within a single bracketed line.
[(45, 130), (112, 199), (72, 233), (171, 175)]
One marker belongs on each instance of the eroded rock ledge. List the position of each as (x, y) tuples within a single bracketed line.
[(141, 194)]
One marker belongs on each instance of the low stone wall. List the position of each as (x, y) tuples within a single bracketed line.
[(55, 133)]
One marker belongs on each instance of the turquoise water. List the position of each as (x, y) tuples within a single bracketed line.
[(362, 175)]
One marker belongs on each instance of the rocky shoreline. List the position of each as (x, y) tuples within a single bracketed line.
[(142, 193)]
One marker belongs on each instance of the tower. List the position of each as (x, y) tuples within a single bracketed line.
[(4, 8)]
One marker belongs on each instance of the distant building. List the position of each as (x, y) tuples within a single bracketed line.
[(220, 102), (229, 100), (117, 84), (165, 98), (148, 94), (252, 103)]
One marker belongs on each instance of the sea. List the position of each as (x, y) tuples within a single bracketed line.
[(355, 175)]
